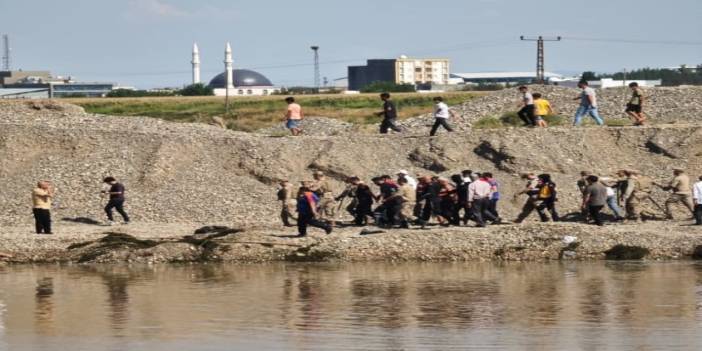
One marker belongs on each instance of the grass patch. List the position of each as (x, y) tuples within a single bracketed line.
[(252, 113), (619, 122), (511, 119)]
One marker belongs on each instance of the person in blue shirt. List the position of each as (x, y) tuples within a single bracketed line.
[(307, 212)]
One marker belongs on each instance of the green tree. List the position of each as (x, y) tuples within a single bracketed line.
[(197, 89), (589, 75), (390, 87)]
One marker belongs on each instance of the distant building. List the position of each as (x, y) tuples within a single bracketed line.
[(421, 72), (24, 93), (502, 77), (246, 82), (40, 84), (605, 83), (242, 82)]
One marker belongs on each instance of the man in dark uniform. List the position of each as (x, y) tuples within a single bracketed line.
[(389, 114)]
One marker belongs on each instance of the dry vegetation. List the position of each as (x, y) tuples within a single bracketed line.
[(252, 113)]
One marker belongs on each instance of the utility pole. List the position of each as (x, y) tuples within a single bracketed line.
[(540, 71), (6, 60), (316, 66)]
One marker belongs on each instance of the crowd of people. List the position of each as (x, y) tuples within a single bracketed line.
[(403, 201), (533, 110), (470, 196)]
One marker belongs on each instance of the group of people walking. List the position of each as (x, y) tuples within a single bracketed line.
[(534, 107), (533, 110), (403, 201), (43, 197)]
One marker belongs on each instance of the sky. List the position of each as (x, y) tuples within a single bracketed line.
[(148, 43)]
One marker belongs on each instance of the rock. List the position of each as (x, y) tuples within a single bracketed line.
[(625, 252)]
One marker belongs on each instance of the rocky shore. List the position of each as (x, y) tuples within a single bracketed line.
[(185, 243), (180, 177)]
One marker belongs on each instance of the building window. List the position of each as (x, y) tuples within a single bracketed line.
[(249, 92), (240, 92), (265, 92)]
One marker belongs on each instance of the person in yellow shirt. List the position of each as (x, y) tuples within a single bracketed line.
[(542, 108), (41, 201)]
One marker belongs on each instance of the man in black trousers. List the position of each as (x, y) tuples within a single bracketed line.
[(41, 207), (389, 114), (116, 193), (595, 198)]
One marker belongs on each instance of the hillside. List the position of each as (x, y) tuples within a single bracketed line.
[(178, 172)]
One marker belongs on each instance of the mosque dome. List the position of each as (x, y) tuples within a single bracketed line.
[(242, 78)]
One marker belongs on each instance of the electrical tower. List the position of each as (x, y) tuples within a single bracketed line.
[(540, 71), (316, 66), (6, 60)]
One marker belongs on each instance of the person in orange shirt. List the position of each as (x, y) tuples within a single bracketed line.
[(542, 108), (293, 116)]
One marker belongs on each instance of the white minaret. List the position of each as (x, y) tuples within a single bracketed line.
[(228, 66), (196, 64)]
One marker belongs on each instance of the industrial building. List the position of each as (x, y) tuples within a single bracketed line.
[(422, 72), (41, 84), (504, 78)]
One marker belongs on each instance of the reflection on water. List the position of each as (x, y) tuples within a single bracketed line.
[(556, 306)]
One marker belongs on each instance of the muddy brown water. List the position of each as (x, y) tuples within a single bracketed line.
[(515, 306)]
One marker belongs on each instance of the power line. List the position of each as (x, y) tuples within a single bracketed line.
[(315, 48), (635, 41), (6, 58), (540, 70)]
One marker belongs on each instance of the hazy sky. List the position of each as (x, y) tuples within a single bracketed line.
[(147, 43)]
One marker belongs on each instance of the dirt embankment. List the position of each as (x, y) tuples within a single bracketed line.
[(186, 173)]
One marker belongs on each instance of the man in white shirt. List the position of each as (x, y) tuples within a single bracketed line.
[(697, 197), (405, 175), (441, 116), (479, 194)]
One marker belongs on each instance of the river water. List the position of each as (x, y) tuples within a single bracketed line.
[(516, 306)]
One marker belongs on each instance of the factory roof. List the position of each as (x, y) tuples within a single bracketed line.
[(501, 75)]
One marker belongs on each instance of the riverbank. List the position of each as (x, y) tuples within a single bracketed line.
[(178, 243)]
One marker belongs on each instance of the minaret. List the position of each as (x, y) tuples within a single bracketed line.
[(228, 66), (196, 64)]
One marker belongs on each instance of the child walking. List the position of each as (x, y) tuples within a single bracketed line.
[(542, 109)]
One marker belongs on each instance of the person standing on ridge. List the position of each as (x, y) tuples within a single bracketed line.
[(635, 106), (41, 207), (293, 116), (389, 114), (116, 200), (441, 116), (588, 104), (526, 113)]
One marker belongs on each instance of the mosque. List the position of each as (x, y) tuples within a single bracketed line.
[(242, 82)]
